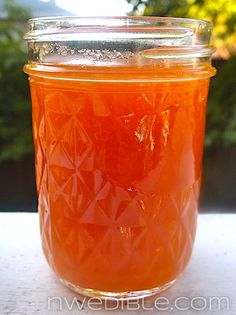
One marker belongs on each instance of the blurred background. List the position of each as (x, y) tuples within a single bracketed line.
[(17, 183)]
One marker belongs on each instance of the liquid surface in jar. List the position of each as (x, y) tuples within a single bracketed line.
[(118, 169)]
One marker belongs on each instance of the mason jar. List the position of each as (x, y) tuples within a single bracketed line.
[(118, 122)]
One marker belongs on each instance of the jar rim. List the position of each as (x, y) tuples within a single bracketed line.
[(120, 18), (150, 25), (118, 40)]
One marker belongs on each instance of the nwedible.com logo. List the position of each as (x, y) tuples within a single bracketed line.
[(161, 303)]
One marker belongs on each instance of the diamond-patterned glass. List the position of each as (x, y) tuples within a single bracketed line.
[(118, 174)]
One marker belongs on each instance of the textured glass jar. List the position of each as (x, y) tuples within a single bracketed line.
[(118, 120)]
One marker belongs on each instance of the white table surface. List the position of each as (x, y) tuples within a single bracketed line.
[(27, 284)]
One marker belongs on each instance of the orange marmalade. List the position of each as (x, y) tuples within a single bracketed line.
[(118, 164)]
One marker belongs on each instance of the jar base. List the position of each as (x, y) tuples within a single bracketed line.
[(128, 295)]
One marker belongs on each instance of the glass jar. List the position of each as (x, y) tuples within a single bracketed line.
[(118, 120)]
